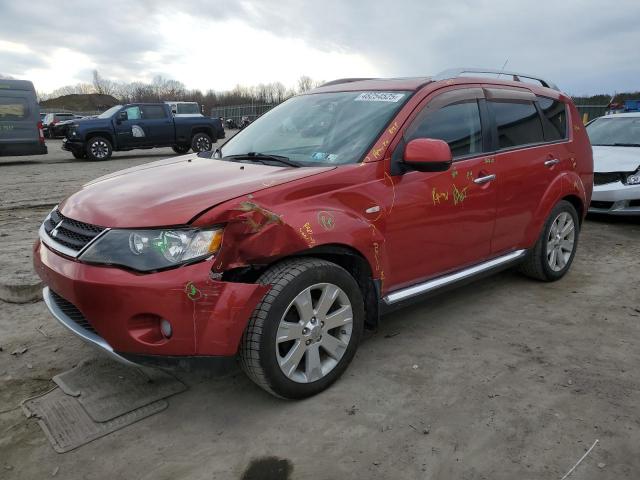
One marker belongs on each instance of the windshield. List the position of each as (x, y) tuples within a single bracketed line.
[(615, 131), (322, 128), (109, 113)]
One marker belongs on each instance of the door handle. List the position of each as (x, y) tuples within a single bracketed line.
[(485, 179), (551, 162)]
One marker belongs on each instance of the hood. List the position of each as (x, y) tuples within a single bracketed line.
[(172, 191), (615, 159)]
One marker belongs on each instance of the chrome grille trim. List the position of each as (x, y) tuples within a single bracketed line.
[(80, 234)]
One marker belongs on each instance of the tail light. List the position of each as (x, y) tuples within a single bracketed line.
[(40, 132)]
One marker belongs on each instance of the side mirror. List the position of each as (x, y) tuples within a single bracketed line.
[(428, 155), (122, 116)]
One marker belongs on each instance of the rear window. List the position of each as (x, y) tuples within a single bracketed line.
[(64, 116), (12, 108), (518, 123), (184, 108), (554, 118)]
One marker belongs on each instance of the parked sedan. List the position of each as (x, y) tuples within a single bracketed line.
[(51, 119), (61, 128), (616, 164)]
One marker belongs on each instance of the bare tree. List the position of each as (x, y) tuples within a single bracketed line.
[(103, 86), (305, 84)]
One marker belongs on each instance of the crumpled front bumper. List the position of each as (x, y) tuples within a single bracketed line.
[(615, 199), (119, 311)]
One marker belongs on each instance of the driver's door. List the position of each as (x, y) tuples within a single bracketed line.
[(129, 132), (443, 221)]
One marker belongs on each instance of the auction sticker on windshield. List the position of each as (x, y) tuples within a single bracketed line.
[(379, 97)]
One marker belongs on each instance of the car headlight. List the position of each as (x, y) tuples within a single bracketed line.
[(147, 250), (634, 178)]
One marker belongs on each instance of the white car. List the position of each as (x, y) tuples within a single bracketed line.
[(616, 164)]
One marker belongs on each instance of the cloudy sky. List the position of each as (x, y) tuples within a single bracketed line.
[(584, 46)]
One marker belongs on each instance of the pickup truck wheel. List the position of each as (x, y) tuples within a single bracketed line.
[(181, 149), (201, 142), (98, 148), (305, 331), (553, 253)]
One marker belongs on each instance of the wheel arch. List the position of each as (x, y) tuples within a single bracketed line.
[(100, 133), (202, 129), (344, 256), (577, 204)]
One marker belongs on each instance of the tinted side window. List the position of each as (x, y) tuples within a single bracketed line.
[(151, 112), (457, 124), (518, 123), (554, 118), (12, 108)]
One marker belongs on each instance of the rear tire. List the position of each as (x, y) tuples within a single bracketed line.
[(98, 148), (201, 142), (553, 253), (181, 149), (290, 355)]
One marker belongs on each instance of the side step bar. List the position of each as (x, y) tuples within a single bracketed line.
[(446, 280)]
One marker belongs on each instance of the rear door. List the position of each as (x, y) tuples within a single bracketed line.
[(525, 163), (443, 221), (158, 125)]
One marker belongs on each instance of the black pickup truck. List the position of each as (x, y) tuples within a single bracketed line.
[(140, 125)]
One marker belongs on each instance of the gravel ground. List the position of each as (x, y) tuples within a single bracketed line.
[(505, 378)]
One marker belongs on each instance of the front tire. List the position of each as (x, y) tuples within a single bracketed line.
[(201, 142), (79, 155), (305, 331), (553, 253), (98, 148)]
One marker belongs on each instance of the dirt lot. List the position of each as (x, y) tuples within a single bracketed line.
[(506, 378)]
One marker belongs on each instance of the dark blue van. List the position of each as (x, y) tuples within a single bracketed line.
[(20, 126)]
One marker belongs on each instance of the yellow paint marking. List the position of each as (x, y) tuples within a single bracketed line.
[(459, 195), (439, 196)]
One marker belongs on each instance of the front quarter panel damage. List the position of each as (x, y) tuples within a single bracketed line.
[(294, 218)]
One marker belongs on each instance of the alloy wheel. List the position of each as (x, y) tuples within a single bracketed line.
[(561, 241), (314, 332), (99, 149), (203, 144)]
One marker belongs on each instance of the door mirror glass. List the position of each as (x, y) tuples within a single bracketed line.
[(122, 116), (428, 155)]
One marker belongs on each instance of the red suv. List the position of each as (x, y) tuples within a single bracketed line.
[(334, 207)]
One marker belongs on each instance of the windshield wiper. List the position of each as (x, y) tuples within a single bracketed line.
[(261, 157)]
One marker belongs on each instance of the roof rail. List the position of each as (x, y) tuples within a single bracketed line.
[(343, 80), (456, 72)]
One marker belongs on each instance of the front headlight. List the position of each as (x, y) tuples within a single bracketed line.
[(147, 250), (634, 178)]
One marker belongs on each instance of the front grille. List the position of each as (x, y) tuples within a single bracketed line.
[(603, 205), (71, 311), (68, 232), (609, 177)]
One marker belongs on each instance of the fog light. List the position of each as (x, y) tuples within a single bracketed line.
[(165, 328)]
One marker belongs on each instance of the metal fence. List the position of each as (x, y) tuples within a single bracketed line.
[(236, 112), (67, 110)]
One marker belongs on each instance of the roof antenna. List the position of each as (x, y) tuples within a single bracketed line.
[(503, 65)]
